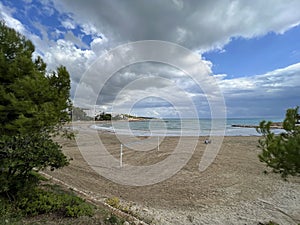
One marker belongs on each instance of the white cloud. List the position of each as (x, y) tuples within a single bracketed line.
[(69, 24), (69, 36), (89, 29), (66, 53), (5, 14), (266, 94), (280, 78)]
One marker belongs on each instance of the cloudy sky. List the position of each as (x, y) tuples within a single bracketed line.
[(251, 49)]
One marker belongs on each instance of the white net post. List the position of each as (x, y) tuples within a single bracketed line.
[(121, 156)]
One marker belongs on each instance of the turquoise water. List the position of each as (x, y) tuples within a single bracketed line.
[(186, 127)]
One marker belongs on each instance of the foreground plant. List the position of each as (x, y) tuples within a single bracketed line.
[(34, 106), (282, 152)]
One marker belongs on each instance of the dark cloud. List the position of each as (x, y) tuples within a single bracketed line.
[(195, 24)]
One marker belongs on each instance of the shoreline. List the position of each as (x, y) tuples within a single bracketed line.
[(244, 132)]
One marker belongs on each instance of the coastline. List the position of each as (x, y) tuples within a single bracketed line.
[(230, 130), (274, 125)]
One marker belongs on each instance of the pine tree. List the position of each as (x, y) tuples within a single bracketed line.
[(282, 152), (34, 106)]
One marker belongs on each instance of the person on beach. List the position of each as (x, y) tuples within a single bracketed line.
[(207, 141)]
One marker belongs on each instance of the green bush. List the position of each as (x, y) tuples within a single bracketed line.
[(42, 201), (5, 207), (112, 219), (281, 152), (114, 202), (8, 213)]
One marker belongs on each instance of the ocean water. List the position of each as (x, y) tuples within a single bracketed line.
[(186, 127)]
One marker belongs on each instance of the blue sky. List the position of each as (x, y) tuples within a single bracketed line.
[(247, 57), (251, 48)]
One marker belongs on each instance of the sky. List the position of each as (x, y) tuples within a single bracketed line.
[(250, 48)]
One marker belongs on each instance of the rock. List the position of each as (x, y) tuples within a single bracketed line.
[(126, 223), (145, 210)]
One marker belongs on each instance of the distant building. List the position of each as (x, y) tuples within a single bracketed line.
[(89, 112)]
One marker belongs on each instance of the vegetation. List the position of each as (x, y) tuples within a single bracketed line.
[(282, 152), (51, 204), (34, 106), (115, 202), (128, 208), (103, 116), (42, 201), (55, 200), (137, 117), (79, 114)]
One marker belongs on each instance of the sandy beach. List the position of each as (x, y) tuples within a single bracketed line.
[(233, 190)]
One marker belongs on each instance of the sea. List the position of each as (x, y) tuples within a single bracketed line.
[(186, 127)]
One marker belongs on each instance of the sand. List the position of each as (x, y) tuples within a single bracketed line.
[(233, 190)]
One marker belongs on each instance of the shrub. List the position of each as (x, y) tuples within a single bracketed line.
[(282, 152), (112, 219), (114, 202), (42, 201)]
